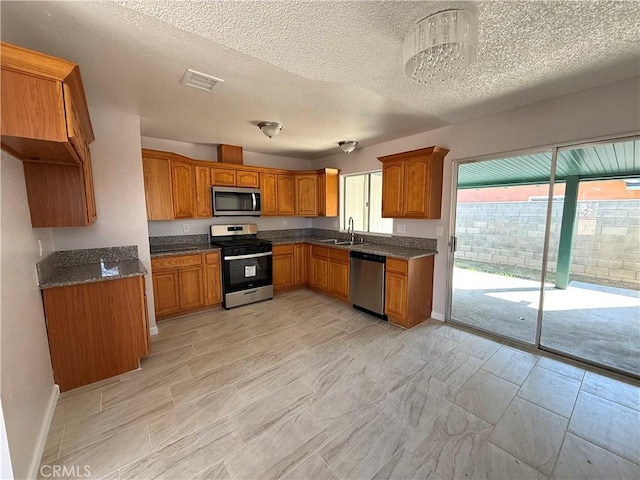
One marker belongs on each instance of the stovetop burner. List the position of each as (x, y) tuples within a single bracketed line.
[(240, 242)]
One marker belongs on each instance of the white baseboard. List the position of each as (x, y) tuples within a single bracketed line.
[(153, 330), (437, 316), (44, 432)]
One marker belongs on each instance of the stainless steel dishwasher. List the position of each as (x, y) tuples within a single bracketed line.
[(366, 286)]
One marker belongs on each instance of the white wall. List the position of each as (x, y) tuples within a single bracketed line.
[(598, 112), (27, 389), (159, 228), (119, 190)]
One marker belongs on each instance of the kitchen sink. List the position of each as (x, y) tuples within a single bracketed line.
[(330, 240)]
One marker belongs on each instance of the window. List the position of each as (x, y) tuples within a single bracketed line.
[(363, 203)]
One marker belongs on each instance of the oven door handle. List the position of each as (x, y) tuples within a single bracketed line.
[(251, 255)]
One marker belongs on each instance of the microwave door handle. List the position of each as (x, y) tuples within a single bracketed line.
[(253, 200)]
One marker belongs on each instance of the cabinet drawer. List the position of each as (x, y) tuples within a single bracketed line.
[(339, 255), (317, 251), (175, 262), (282, 250), (212, 258), (397, 265)]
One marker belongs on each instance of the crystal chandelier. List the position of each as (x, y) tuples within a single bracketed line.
[(440, 45)]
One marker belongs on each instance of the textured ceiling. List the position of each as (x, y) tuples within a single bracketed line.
[(328, 71)]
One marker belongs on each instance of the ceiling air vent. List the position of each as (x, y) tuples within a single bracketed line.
[(199, 80)]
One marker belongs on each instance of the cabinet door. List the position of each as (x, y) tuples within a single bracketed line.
[(191, 287), (182, 188), (88, 188), (268, 193), (223, 177), (322, 195), (392, 188), (416, 181), (213, 284), (165, 292), (306, 188), (283, 271), (203, 192), (339, 279), (395, 297), (245, 178), (285, 195), (319, 273), (301, 260), (157, 188)]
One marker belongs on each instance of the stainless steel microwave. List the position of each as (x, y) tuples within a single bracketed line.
[(235, 201)]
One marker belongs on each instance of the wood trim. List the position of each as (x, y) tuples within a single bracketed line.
[(183, 313), (230, 154), (436, 151)]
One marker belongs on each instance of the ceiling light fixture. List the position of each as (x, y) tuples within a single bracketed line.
[(440, 46), (348, 146), (270, 129)]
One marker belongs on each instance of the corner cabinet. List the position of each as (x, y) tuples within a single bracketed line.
[(412, 183), (45, 123)]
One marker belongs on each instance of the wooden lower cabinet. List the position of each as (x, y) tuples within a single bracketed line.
[(191, 287), (213, 279), (409, 290), (301, 261), (184, 283), (395, 300), (165, 292), (339, 274), (284, 267), (96, 330)]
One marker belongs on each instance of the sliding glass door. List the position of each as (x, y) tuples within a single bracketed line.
[(562, 276), (593, 310), (501, 211)]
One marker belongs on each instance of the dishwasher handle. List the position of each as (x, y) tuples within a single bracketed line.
[(371, 257)]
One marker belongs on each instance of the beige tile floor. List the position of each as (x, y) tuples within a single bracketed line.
[(303, 387)]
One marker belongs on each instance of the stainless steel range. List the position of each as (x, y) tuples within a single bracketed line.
[(246, 264)]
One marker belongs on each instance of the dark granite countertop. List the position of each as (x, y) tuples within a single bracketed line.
[(387, 250), (181, 249), (64, 276)]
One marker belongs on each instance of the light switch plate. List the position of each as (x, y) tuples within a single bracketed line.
[(401, 228), (439, 231), (185, 227)]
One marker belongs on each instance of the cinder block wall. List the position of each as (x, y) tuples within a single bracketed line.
[(606, 246)]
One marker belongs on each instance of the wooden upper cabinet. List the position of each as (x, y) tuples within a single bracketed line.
[(45, 122), (247, 178), (202, 179), (182, 187), (269, 193), (230, 154), (392, 189), (286, 197), (223, 177), (157, 185), (412, 183), (306, 188), (44, 111), (328, 192)]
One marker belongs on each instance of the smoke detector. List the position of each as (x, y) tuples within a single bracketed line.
[(200, 80)]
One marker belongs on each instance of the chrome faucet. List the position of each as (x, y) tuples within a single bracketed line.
[(350, 229)]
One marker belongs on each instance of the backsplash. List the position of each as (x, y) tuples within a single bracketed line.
[(408, 242), (179, 240)]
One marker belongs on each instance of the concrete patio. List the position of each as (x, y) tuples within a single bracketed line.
[(593, 322)]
